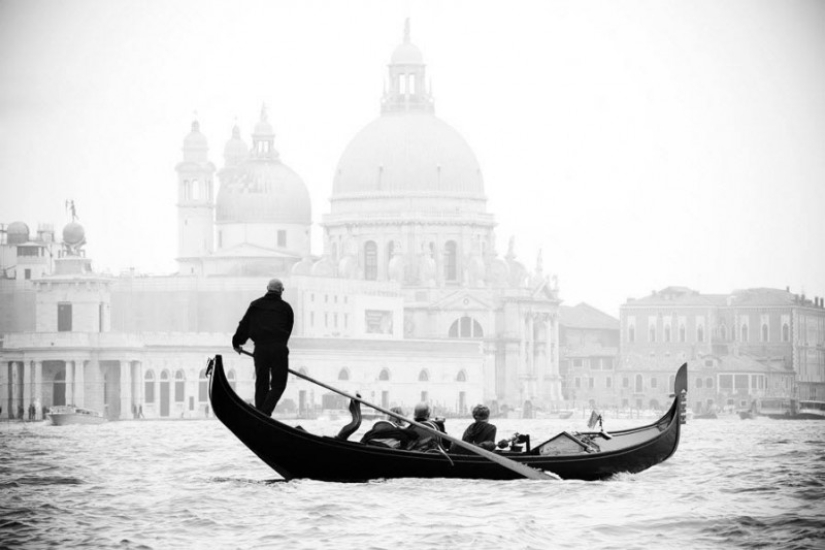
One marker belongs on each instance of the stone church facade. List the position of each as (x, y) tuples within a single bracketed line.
[(409, 299)]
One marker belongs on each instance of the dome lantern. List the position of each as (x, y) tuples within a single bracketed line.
[(407, 90), (235, 151), (263, 138), (195, 145)]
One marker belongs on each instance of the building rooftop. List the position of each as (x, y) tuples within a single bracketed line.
[(585, 316)]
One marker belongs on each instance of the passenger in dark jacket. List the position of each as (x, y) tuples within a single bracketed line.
[(268, 322), (481, 432)]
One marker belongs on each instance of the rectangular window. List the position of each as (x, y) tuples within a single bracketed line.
[(27, 274), (740, 381), (591, 383), (281, 238), (726, 381), (64, 317), (608, 382)]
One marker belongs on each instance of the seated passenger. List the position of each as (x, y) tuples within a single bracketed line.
[(481, 432), (388, 433), (423, 440)]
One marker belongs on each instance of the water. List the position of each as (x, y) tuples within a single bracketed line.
[(191, 484)]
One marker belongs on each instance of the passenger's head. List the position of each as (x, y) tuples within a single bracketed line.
[(422, 410), (276, 286), (481, 412)]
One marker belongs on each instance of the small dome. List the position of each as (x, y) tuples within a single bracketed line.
[(407, 54), (74, 234), (18, 232), (264, 192)]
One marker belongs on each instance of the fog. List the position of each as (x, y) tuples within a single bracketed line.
[(638, 145)]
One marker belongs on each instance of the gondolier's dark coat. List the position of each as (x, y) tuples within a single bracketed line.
[(268, 322)]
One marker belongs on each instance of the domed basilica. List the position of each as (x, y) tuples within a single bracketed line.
[(409, 299)]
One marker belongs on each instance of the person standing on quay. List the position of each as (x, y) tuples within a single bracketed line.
[(268, 323)]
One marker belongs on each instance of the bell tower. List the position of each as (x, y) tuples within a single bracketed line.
[(196, 205)]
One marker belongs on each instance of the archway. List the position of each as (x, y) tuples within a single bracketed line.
[(59, 388)]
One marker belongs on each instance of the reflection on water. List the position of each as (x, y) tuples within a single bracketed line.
[(191, 484)]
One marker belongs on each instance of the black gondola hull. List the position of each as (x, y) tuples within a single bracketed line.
[(297, 454)]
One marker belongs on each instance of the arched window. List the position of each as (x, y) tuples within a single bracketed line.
[(698, 383), (667, 333), (149, 386), (764, 332), (370, 261), (466, 327), (786, 333), (462, 376), (203, 387), (654, 382), (639, 384), (682, 334), (652, 334), (744, 333), (180, 381), (230, 375), (631, 334), (709, 382), (700, 333), (625, 382), (450, 261), (384, 375), (343, 374), (423, 376)]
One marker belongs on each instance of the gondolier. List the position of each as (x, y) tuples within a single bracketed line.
[(268, 322)]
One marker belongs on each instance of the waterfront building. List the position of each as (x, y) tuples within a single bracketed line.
[(408, 301), (589, 356), (740, 347)]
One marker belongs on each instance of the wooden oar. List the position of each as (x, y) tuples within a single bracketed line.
[(517, 467)]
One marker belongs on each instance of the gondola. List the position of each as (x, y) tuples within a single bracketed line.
[(297, 454)]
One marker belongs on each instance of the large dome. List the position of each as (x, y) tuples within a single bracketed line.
[(408, 153), (264, 192)]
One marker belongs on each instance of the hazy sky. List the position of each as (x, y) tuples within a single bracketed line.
[(638, 144)]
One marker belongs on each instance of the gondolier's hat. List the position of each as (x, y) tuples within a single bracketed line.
[(275, 285)]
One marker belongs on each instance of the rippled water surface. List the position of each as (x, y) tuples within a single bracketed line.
[(191, 484)]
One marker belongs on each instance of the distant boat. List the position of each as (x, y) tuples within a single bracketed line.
[(69, 414), (710, 415), (747, 415), (801, 410)]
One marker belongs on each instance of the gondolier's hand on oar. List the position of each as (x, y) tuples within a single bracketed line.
[(239, 349)]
